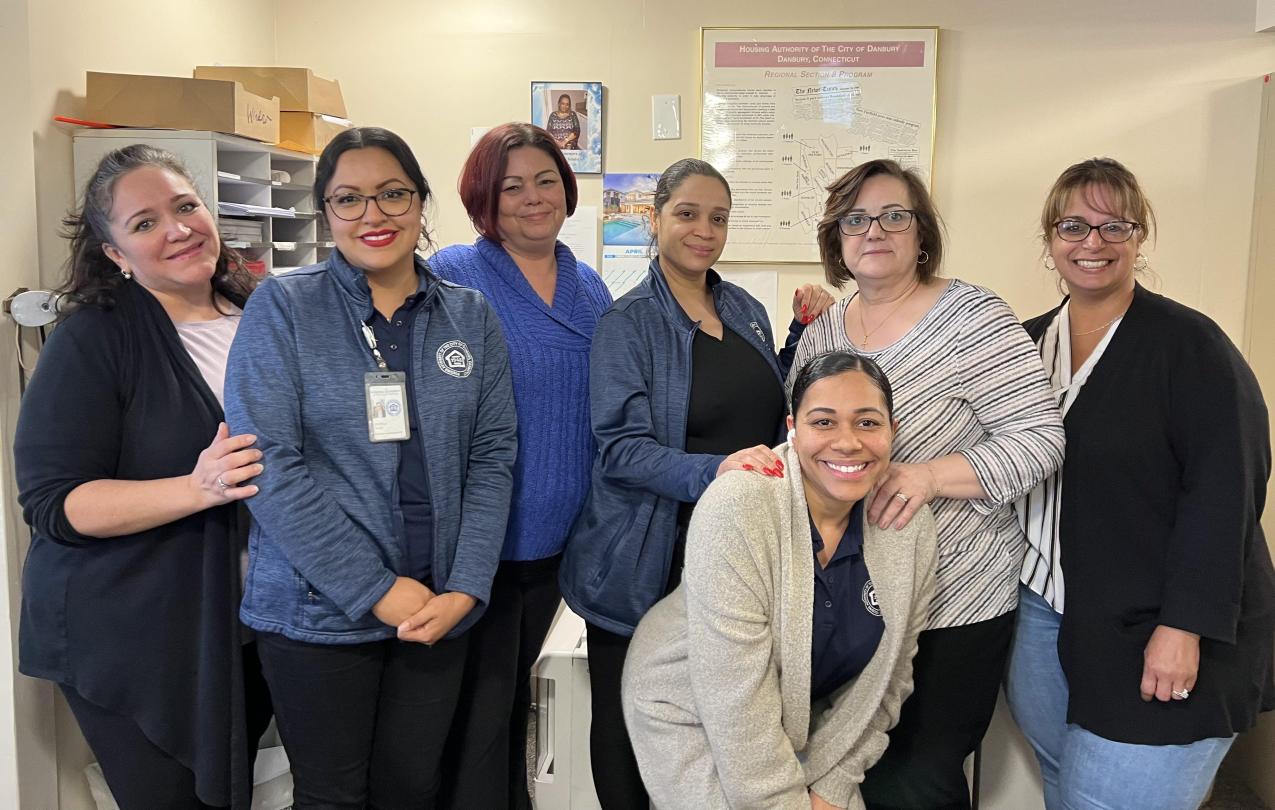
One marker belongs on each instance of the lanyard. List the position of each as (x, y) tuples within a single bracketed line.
[(370, 337)]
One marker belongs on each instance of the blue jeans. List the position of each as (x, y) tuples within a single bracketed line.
[(1081, 770)]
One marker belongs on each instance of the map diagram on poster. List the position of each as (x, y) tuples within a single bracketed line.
[(787, 112)]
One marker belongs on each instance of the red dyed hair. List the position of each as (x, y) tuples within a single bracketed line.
[(484, 170)]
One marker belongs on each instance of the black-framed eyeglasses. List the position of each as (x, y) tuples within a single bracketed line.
[(893, 221), (1077, 230), (349, 206)]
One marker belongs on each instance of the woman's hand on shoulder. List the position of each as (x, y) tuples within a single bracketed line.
[(1170, 664), (437, 618), (759, 459), (903, 490), (225, 467), (810, 301)]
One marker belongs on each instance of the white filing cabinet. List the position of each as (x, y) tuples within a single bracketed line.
[(564, 774)]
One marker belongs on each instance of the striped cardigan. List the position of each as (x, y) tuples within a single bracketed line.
[(966, 380)]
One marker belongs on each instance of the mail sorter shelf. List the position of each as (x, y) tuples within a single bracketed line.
[(245, 175)]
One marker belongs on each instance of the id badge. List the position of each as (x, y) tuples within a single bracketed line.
[(386, 393)]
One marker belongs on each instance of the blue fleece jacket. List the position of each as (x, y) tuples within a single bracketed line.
[(616, 563), (549, 363), (326, 542)]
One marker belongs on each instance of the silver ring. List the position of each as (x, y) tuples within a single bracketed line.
[(902, 497), (1181, 694), (222, 483)]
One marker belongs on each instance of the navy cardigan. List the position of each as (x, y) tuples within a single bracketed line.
[(143, 625), (616, 563)]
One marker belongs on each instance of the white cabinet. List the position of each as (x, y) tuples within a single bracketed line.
[(266, 216)]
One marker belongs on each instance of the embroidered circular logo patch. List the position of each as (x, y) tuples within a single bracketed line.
[(869, 597), (454, 358)]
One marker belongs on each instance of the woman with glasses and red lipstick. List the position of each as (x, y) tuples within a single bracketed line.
[(1147, 607), (979, 429), (519, 190), (770, 677), (377, 529), (684, 385)]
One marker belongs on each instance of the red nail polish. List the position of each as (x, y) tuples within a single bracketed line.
[(748, 467), (779, 464), (803, 307)]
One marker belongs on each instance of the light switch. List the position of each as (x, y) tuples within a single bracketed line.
[(666, 118)]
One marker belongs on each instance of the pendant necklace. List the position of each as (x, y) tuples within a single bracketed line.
[(902, 300)]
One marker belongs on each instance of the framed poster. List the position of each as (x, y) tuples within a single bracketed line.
[(572, 113), (786, 111)]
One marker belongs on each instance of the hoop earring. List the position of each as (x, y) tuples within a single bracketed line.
[(919, 260), (1140, 264), (1049, 263)]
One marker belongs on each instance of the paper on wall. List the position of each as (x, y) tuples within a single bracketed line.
[(580, 233)]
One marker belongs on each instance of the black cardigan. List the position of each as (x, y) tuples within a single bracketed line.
[(1168, 454), (144, 625)]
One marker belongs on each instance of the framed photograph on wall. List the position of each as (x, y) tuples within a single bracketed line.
[(572, 114), (786, 111)]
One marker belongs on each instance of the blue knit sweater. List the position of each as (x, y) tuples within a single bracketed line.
[(549, 360)]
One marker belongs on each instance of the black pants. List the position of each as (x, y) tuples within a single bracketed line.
[(364, 724), (615, 770), (142, 776), (957, 674), (485, 764)]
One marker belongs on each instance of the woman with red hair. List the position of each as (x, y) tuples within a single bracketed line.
[(518, 190)]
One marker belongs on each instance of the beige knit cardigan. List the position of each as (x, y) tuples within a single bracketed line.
[(717, 680)]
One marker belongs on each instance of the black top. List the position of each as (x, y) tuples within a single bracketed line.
[(143, 625), (394, 341), (847, 624), (735, 402), (1168, 454)]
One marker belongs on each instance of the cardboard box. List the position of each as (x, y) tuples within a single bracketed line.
[(306, 132), (172, 102), (298, 89)]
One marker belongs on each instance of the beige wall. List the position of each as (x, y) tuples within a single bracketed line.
[(1255, 751), (26, 720), (1166, 86), (62, 39)]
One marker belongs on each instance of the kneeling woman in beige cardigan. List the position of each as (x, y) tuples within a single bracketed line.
[(769, 678)]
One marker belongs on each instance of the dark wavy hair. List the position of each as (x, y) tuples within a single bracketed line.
[(91, 277), (484, 172), (830, 365)]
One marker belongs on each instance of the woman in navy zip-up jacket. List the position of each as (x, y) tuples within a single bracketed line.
[(381, 400), (684, 385)]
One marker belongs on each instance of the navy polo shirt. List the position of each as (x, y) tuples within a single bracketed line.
[(847, 623), (394, 341)]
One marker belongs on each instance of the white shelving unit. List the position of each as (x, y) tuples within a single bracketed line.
[(230, 171)]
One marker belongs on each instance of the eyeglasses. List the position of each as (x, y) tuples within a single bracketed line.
[(895, 221), (349, 206), (1077, 230)]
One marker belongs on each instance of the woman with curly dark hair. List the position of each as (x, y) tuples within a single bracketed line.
[(130, 482)]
